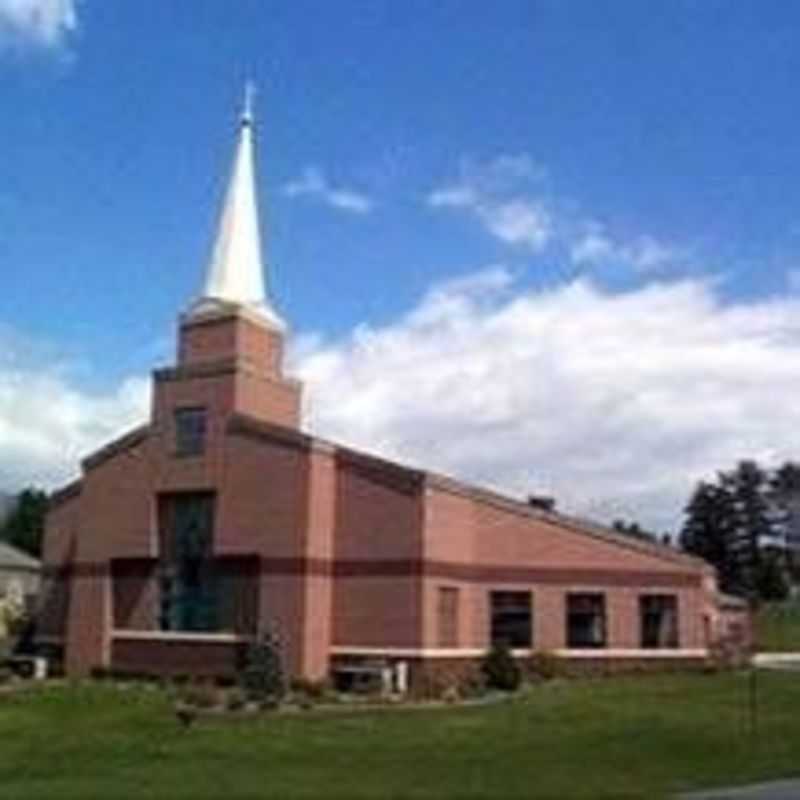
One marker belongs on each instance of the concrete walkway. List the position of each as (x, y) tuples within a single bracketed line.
[(775, 790), (780, 661)]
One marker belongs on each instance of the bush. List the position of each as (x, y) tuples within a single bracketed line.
[(500, 669), (263, 678), (546, 666)]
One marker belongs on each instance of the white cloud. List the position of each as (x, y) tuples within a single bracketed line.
[(48, 423), (313, 183), (484, 191), (505, 195), (41, 23), (615, 403), (519, 222), (594, 245)]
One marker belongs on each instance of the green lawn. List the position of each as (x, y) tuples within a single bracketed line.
[(778, 627), (620, 738)]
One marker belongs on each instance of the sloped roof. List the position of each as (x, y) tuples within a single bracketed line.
[(12, 558), (575, 524), (244, 424)]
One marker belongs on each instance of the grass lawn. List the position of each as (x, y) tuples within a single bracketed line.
[(778, 627), (615, 738)]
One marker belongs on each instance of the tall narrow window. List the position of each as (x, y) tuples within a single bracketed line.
[(190, 431), (447, 614), (188, 587), (658, 616), (586, 620), (511, 621)]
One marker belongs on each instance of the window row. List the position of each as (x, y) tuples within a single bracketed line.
[(586, 621)]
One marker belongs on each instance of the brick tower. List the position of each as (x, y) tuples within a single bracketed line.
[(231, 338)]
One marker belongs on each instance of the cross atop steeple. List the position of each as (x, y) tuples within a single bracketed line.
[(235, 277), (249, 98)]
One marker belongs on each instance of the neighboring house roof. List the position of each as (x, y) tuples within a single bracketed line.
[(13, 559), (731, 602)]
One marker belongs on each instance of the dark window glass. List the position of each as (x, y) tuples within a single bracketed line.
[(586, 620), (187, 579), (511, 618), (190, 431), (448, 616), (658, 614)]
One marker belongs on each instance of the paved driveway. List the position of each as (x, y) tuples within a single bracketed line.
[(775, 790)]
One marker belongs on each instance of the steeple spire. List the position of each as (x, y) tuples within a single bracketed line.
[(235, 277)]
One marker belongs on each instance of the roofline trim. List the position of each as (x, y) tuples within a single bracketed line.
[(574, 524)]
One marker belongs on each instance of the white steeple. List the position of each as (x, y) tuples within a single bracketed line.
[(235, 277)]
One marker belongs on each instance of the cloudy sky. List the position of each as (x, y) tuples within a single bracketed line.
[(546, 246)]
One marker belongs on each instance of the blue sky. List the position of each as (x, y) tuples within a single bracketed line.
[(544, 148)]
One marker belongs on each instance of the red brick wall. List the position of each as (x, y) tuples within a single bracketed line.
[(176, 657), (479, 547), (231, 337), (269, 399), (318, 545), (378, 524)]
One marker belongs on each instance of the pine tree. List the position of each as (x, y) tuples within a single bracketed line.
[(736, 525), (709, 533), (784, 493), (754, 526), (24, 526)]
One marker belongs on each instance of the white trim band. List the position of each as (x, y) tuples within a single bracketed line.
[(645, 653), (178, 636), (474, 652)]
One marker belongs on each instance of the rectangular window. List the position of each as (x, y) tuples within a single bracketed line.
[(511, 620), (187, 578), (586, 620), (658, 615), (447, 613), (190, 431)]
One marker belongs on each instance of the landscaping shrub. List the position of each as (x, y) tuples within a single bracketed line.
[(263, 677), (500, 669)]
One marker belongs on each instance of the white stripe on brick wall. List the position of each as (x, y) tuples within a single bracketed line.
[(442, 652), (177, 636)]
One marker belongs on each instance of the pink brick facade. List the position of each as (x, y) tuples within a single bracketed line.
[(345, 555)]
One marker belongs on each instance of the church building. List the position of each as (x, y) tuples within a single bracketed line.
[(220, 518)]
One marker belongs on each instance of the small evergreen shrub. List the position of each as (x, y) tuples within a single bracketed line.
[(500, 669), (263, 678)]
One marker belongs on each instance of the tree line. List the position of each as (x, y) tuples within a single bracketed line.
[(743, 522)]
